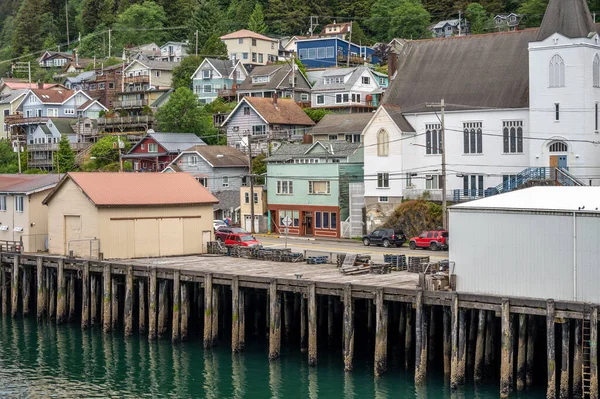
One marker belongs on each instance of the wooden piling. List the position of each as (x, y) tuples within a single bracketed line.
[(275, 324), (401, 320), (93, 300), (51, 294), (431, 341), (506, 365), (41, 302), (72, 297), (551, 350), (565, 360), (61, 293), (208, 295), (176, 327), (420, 336), (330, 320), (85, 296), (15, 286), (408, 337), (141, 306), (4, 289), (107, 299), (489, 344), (348, 328), (531, 335), (185, 311), (472, 338), (287, 315), (522, 353), (152, 305), (303, 325), (114, 307), (462, 346), (594, 353), (26, 292), (163, 311), (128, 311), (242, 320), (381, 327), (235, 314), (215, 314), (479, 347), (577, 360), (312, 324), (454, 379), (447, 340)]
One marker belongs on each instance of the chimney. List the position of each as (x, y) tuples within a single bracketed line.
[(275, 99), (40, 85), (76, 57)]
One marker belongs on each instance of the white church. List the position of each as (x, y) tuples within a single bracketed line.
[(517, 105)]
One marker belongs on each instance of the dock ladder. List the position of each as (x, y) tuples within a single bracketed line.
[(586, 342)]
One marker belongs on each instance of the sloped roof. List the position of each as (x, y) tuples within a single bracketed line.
[(81, 77), (25, 184), (489, 70), (221, 155), (225, 67), (342, 123), (86, 104), (451, 22), (335, 149), (396, 114), (570, 18), (244, 33), (286, 112), (228, 199), (345, 28), (173, 142), (277, 73), (355, 73), (26, 85), (63, 126), (162, 65), (53, 96), (12, 96), (138, 189)]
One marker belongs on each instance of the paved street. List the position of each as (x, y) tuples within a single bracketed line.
[(345, 246)]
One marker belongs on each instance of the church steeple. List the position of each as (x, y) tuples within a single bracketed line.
[(570, 18)]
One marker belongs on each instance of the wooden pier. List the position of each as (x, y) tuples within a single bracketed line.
[(166, 297)]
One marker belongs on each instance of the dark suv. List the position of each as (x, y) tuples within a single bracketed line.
[(385, 237), (223, 231)]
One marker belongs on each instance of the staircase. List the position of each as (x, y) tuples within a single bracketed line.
[(83, 153), (585, 364)]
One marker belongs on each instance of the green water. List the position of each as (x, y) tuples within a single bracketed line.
[(64, 362)]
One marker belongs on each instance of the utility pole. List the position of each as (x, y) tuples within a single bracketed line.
[(313, 25), (109, 43), (349, 45), (251, 176), (196, 42), (442, 107), (18, 149), (459, 17), (67, 18)]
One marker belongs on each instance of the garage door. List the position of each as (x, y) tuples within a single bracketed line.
[(73, 235), (146, 238), (171, 236), (192, 236)]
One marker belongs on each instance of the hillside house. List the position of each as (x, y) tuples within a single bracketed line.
[(217, 78), (9, 103), (145, 52), (347, 90), (77, 82), (310, 184), (54, 59), (507, 22), (251, 48), (104, 84), (284, 80), (339, 30), (328, 52), (450, 27), (265, 120), (334, 127), (174, 51)]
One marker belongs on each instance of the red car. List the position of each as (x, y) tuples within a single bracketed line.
[(434, 240), (245, 240)]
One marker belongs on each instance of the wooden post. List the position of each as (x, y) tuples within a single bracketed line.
[(26, 292), (462, 346), (420, 337), (431, 340), (408, 338), (176, 331), (41, 303), (93, 300), (594, 353), (565, 360), (128, 313), (577, 360), (303, 325), (85, 296), (472, 337), (163, 311), (72, 297), (215, 314), (235, 312), (208, 295), (312, 324), (4, 289), (522, 353), (275, 324), (506, 365), (142, 306), (242, 320), (348, 328), (288, 312), (185, 311), (402, 320), (447, 317), (489, 344), (454, 379), (107, 301), (381, 326), (61, 294), (551, 350), (479, 348), (115, 303), (15, 286), (531, 335), (152, 305), (51, 294), (330, 320)]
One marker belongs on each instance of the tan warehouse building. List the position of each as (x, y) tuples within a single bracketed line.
[(129, 215)]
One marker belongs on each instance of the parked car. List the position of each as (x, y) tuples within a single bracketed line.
[(222, 232), (245, 240), (385, 237), (218, 223), (434, 240)]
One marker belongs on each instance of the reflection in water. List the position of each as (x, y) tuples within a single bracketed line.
[(238, 368), (348, 386), (211, 375), (313, 384), (275, 379)]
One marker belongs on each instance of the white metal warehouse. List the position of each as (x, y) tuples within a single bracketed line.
[(541, 242)]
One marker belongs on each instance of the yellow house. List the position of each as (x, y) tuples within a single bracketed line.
[(251, 48), (129, 215), (9, 103), (23, 217), (260, 209)]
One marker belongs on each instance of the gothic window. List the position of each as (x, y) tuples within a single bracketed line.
[(557, 71), (433, 138), (382, 143), (512, 132), (596, 71), (473, 137), (558, 146)]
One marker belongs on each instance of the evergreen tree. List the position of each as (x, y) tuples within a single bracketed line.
[(90, 15), (256, 23), (477, 17), (410, 21), (243, 11), (27, 26), (207, 18), (442, 9), (64, 158), (532, 12), (215, 48), (381, 15), (358, 35), (287, 17)]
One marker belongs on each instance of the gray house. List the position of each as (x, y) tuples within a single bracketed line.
[(265, 81)]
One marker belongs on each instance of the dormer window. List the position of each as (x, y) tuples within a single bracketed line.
[(206, 74), (260, 79), (334, 80)]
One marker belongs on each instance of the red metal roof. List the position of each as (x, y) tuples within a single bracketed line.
[(23, 184), (244, 33)]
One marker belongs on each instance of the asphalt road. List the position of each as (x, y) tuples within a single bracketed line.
[(346, 246)]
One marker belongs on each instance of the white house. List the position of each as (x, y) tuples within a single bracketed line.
[(518, 106)]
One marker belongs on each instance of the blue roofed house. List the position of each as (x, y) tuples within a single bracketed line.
[(217, 78), (327, 52)]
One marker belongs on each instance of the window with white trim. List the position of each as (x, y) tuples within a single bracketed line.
[(512, 134), (383, 143), (2, 202), (260, 79), (334, 80), (366, 80), (320, 99), (285, 187), (304, 97), (319, 187), (246, 198), (69, 111), (259, 130), (207, 88), (383, 180), (557, 71), (202, 180), (193, 160), (19, 203), (152, 147), (473, 137), (321, 52), (433, 182), (433, 138), (384, 199)]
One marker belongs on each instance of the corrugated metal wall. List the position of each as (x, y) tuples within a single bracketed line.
[(357, 203)]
